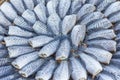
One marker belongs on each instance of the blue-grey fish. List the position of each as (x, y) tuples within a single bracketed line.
[(115, 17), (103, 76), (109, 45), (6, 8), (78, 70), (49, 49), (3, 30), (18, 5), (85, 9), (29, 4), (39, 41), (40, 11), (78, 34), (23, 60), (16, 31), (99, 24), (41, 1), (68, 23), (4, 21), (31, 67), (19, 21), (62, 72), (1, 37), (63, 50), (10, 77), (91, 64), (6, 70), (75, 6), (53, 22), (52, 6), (47, 71), (108, 34), (29, 15), (94, 2), (64, 6), (114, 7), (111, 69), (5, 61), (101, 55), (15, 40), (104, 4), (91, 16), (3, 53), (40, 28), (15, 51)]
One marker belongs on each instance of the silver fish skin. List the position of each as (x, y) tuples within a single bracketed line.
[(49, 49), (14, 41), (3, 53), (92, 65), (23, 60), (21, 79), (29, 15), (54, 23), (115, 17), (29, 4), (101, 55), (68, 23), (18, 5), (113, 70), (10, 77), (109, 45), (114, 7), (115, 60), (103, 4), (3, 30), (15, 51), (4, 21), (85, 9), (78, 34), (108, 34), (103, 76), (40, 28), (46, 72), (118, 37), (116, 55), (83, 1), (78, 70), (6, 70), (40, 11), (19, 21), (63, 7), (91, 16), (93, 2), (6, 8), (16, 31), (63, 50), (1, 37), (62, 72), (39, 41), (2, 46), (31, 68), (4, 61), (41, 1), (75, 6), (100, 24), (117, 27), (52, 6)]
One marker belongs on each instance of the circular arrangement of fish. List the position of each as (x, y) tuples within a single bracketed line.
[(60, 40)]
